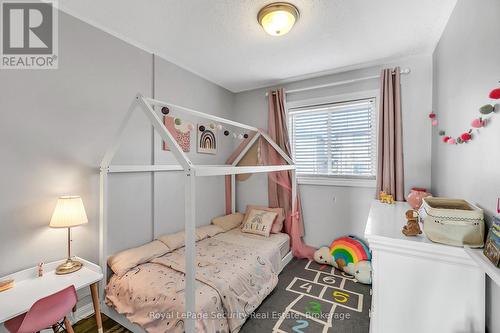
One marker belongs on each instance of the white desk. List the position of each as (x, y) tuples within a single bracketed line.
[(29, 288), (420, 286)]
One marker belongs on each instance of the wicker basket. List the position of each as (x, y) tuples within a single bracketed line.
[(452, 221)]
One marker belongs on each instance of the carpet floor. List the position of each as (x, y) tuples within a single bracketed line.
[(309, 298)]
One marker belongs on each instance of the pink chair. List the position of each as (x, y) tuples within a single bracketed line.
[(45, 313)]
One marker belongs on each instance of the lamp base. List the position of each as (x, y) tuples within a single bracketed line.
[(69, 266)]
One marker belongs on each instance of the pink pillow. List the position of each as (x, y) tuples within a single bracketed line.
[(278, 222)]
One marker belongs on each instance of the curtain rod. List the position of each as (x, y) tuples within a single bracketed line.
[(339, 83)]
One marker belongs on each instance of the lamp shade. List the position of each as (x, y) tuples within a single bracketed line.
[(69, 212)]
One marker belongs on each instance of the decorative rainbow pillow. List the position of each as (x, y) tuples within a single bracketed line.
[(349, 250)]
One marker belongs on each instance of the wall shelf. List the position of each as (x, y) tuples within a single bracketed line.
[(484, 263)]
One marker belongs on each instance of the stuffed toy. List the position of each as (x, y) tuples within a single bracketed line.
[(323, 256), (386, 198), (349, 254), (412, 228)]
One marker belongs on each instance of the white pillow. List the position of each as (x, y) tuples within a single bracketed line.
[(209, 230), (123, 261), (175, 240), (228, 222), (259, 222)]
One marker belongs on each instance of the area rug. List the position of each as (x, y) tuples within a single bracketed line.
[(312, 298)]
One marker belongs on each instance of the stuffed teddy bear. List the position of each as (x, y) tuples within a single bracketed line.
[(349, 254), (412, 228)]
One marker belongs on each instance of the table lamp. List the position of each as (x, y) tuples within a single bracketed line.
[(69, 212)]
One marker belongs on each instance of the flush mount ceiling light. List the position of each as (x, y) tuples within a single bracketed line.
[(278, 18)]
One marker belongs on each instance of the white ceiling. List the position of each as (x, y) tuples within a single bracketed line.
[(221, 40)]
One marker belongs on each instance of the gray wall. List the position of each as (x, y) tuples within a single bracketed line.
[(55, 126), (466, 69), (333, 211)]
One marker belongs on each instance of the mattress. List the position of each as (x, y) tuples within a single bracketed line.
[(279, 241), (151, 290)]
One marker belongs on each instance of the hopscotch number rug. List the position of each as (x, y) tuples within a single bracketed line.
[(313, 298)]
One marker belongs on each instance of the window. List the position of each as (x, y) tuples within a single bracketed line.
[(335, 143)]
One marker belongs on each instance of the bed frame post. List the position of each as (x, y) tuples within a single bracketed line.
[(294, 190), (110, 153), (103, 230), (190, 234), (233, 194)]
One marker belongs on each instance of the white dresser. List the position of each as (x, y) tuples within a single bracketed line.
[(420, 286)]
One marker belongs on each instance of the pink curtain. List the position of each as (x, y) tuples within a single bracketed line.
[(390, 136), (280, 183)]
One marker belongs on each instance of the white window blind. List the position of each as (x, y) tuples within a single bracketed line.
[(335, 140)]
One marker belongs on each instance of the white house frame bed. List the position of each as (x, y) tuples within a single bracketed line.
[(191, 172)]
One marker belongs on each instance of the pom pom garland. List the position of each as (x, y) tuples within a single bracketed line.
[(477, 123), (495, 94), (213, 126), (487, 110), (466, 137)]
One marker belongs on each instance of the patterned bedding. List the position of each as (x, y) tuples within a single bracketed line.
[(232, 280)]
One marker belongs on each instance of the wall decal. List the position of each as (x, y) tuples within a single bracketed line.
[(207, 139), (180, 130)]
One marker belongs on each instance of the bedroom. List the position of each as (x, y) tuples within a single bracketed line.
[(216, 57)]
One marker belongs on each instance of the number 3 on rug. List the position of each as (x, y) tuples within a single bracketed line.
[(313, 307), (300, 325)]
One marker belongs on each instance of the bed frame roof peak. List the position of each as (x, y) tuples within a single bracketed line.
[(147, 106)]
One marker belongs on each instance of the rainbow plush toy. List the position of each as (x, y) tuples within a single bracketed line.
[(349, 250), (349, 254)]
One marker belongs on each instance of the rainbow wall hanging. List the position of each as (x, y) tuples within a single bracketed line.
[(348, 251), (207, 138)]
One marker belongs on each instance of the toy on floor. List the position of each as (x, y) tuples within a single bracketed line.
[(386, 198), (412, 228), (349, 254)]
